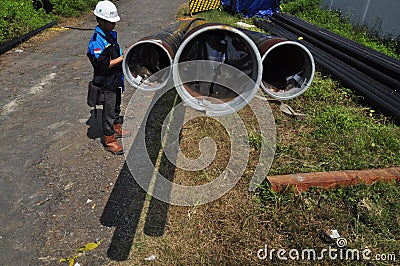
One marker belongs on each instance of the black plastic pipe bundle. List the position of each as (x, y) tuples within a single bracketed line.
[(386, 64), (375, 66), (376, 93)]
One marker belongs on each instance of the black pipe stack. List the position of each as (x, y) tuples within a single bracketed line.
[(369, 73)]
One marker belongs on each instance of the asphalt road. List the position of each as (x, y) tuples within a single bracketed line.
[(56, 178)]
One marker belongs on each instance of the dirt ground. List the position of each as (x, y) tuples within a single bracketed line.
[(59, 188)]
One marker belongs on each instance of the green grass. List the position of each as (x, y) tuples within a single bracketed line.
[(19, 17), (366, 216), (72, 8), (338, 134)]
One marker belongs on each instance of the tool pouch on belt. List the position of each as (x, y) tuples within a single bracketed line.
[(95, 95)]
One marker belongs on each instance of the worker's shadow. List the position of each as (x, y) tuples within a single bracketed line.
[(94, 122), (127, 200)]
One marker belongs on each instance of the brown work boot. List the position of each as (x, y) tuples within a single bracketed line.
[(119, 133), (112, 145)]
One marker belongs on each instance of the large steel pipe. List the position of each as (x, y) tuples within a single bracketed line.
[(217, 69), (288, 66), (155, 54)]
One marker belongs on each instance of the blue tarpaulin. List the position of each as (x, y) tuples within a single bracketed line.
[(251, 8)]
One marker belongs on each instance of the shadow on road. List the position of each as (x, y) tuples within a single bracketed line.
[(127, 200), (94, 122)]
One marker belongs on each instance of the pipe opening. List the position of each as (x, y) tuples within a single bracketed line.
[(143, 60), (288, 69), (209, 82)]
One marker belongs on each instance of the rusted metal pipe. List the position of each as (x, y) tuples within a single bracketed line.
[(330, 180)]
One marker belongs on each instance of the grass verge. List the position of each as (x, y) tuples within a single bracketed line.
[(338, 133), (19, 17)]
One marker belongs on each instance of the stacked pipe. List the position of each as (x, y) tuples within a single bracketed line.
[(386, 64), (368, 72), (285, 70)]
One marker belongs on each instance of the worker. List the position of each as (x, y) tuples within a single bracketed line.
[(106, 57)]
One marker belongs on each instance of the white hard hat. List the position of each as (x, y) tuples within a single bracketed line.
[(107, 11)]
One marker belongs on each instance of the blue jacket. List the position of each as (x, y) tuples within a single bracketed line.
[(103, 47)]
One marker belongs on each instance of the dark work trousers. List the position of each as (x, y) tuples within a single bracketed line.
[(111, 110)]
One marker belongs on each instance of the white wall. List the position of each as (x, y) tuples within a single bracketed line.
[(371, 12)]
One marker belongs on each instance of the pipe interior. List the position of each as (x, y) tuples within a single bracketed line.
[(146, 59), (221, 46), (286, 67)]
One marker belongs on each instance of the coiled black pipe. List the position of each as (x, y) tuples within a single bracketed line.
[(373, 72), (387, 103), (386, 64), (11, 44)]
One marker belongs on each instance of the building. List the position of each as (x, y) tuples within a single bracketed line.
[(380, 15)]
